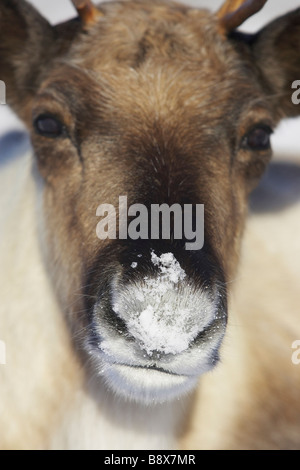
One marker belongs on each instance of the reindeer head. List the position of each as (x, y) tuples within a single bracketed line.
[(163, 104)]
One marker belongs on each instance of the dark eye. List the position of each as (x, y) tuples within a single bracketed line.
[(49, 126), (258, 139)]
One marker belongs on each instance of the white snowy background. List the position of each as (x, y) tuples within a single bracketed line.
[(286, 140)]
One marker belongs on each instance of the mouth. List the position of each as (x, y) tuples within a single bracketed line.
[(134, 376), (147, 385)]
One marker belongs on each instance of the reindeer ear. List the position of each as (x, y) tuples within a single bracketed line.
[(25, 39), (276, 51), (28, 44)]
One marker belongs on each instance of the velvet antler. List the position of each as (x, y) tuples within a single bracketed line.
[(87, 11), (234, 12)]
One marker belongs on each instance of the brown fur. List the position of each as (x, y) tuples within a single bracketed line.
[(156, 103)]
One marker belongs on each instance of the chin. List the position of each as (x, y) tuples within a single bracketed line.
[(150, 381)]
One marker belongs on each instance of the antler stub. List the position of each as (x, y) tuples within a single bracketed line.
[(87, 11), (234, 12)]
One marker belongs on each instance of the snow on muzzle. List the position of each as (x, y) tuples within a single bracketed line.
[(161, 334), (162, 313)]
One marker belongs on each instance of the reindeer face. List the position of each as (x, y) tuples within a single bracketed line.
[(154, 103)]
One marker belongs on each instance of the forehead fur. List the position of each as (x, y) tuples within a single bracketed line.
[(130, 32), (133, 33), (163, 57)]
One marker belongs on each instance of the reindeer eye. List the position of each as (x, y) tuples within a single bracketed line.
[(258, 139), (49, 126)]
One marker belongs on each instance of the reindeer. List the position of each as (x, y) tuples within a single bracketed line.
[(162, 103)]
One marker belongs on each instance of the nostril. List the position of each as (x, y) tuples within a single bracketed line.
[(104, 313)]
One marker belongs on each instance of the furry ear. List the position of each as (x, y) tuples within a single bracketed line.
[(28, 44), (25, 39), (276, 51), (273, 54)]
